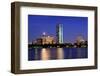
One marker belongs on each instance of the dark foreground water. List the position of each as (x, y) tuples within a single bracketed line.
[(56, 53)]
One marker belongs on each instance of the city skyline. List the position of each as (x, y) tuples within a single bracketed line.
[(73, 26)]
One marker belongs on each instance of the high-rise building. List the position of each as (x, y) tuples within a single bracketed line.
[(59, 31)]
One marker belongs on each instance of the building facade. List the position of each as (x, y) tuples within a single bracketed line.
[(80, 40), (45, 39), (59, 31)]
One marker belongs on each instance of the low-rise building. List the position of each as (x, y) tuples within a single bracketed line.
[(45, 39)]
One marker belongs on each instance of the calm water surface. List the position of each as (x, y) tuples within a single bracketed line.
[(56, 53)]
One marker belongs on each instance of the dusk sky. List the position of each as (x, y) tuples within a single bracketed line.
[(72, 26)]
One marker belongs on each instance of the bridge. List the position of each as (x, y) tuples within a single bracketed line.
[(54, 45), (49, 45)]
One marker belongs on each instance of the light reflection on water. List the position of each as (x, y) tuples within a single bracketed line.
[(45, 54), (56, 53), (60, 53)]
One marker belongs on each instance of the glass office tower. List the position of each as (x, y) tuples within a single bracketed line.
[(59, 30)]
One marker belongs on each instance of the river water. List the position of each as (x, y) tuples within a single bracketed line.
[(56, 53)]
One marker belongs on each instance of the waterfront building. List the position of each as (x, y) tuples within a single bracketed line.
[(39, 41), (59, 31), (80, 40), (45, 39)]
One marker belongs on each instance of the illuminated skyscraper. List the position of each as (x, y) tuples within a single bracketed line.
[(59, 30)]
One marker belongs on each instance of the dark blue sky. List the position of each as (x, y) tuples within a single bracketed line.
[(72, 26)]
